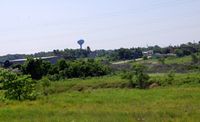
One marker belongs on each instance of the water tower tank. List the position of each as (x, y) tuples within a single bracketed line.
[(81, 42)]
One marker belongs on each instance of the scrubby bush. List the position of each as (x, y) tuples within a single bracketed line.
[(64, 69), (140, 75), (145, 58), (45, 82), (195, 58), (81, 68), (162, 60), (137, 76), (129, 76), (18, 87), (170, 78)]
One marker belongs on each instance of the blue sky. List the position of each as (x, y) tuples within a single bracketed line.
[(28, 26)]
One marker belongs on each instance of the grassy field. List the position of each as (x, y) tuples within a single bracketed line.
[(88, 100), (170, 60), (175, 60)]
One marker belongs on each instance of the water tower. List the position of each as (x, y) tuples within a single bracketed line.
[(81, 42)]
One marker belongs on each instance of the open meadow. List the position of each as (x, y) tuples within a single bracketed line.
[(107, 99)]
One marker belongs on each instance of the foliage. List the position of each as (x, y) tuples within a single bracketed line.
[(170, 78), (45, 85), (140, 76), (80, 68), (36, 68), (195, 58), (109, 105), (129, 76), (162, 60), (145, 58), (137, 76), (7, 64), (18, 87), (64, 69)]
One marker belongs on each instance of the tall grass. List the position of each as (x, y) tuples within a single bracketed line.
[(94, 100), (108, 105)]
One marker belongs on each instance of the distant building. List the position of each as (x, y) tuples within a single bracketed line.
[(51, 59), (148, 53)]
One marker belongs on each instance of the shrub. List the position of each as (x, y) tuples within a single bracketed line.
[(129, 76), (140, 76), (137, 76), (18, 88), (169, 78), (45, 85), (195, 58), (145, 58), (162, 60), (37, 68)]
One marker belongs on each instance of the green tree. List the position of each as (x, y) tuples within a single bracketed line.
[(18, 88), (46, 66), (179, 52), (62, 64), (34, 67)]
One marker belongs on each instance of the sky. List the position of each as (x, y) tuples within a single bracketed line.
[(30, 26)]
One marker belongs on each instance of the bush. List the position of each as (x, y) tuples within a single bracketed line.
[(18, 88), (170, 78), (79, 68), (37, 68), (140, 76), (162, 60), (145, 58), (129, 76), (45, 85), (195, 58), (137, 76)]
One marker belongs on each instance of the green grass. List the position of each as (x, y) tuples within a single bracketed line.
[(109, 105), (169, 60), (180, 60), (104, 104)]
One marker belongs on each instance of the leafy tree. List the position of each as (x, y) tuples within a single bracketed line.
[(179, 52), (62, 64), (124, 54), (46, 66), (18, 88), (34, 67)]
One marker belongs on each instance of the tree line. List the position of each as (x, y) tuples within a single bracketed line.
[(113, 55)]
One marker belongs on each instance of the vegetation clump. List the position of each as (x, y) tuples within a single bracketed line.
[(17, 87), (137, 76)]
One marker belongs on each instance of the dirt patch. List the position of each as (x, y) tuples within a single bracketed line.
[(154, 85)]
